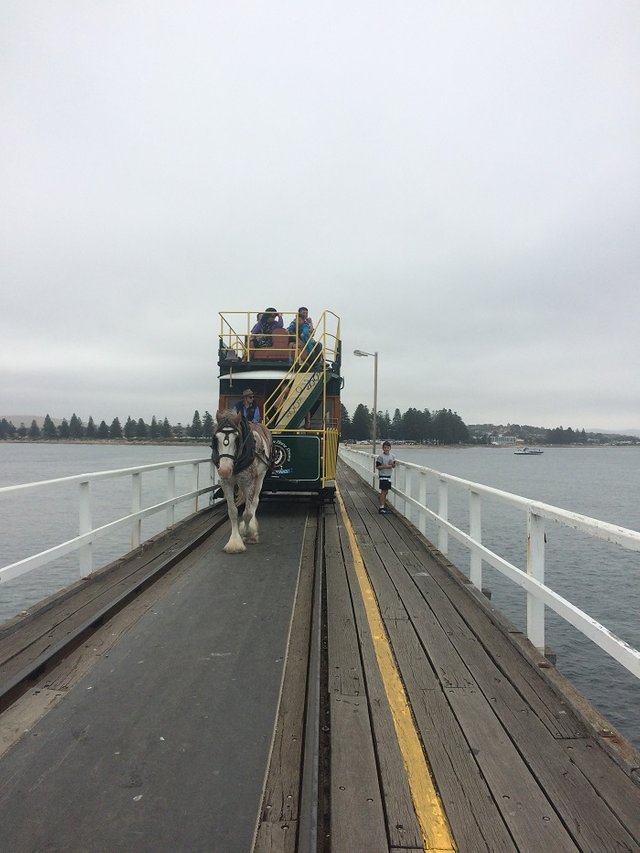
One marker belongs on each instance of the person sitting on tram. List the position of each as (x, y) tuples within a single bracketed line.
[(269, 320), (301, 332)]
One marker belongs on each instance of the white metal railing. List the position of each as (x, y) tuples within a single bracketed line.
[(532, 580), (88, 534)]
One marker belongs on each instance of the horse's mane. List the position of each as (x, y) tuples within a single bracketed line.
[(227, 418)]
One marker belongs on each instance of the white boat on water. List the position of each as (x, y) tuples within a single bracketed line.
[(528, 451)]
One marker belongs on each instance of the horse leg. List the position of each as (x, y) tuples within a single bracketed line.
[(235, 545), (252, 533)]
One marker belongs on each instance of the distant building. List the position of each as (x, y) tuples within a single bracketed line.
[(501, 440)]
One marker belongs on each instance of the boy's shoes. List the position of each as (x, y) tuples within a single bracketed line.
[(383, 511)]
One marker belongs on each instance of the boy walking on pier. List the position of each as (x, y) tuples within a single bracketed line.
[(385, 463)]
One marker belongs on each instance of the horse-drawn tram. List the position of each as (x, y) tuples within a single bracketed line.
[(291, 366)]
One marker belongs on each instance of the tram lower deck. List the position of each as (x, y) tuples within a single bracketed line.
[(296, 386)]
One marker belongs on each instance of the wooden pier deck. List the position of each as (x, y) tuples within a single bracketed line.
[(340, 687), (513, 750)]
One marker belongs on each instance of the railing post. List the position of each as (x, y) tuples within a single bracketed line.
[(195, 470), (401, 484), (171, 493), (475, 531), (535, 568), (443, 512), (136, 506), (422, 499), (85, 526)]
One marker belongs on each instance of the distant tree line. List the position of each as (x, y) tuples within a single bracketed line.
[(75, 429), (419, 426), (566, 436)]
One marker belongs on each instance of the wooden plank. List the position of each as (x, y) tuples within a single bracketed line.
[(402, 825), (277, 837), (474, 818), (458, 608), (280, 809), (357, 814), (609, 781), (531, 818), (356, 800), (344, 666), (439, 640)]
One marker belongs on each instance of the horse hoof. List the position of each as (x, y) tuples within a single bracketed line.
[(234, 549)]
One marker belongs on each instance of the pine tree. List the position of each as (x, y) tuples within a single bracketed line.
[(396, 426), (384, 425), (49, 430), (129, 428), (115, 430), (103, 431), (75, 427), (196, 425), (90, 432), (166, 430), (141, 429), (63, 429), (361, 423), (345, 423), (7, 429), (34, 430), (207, 425)]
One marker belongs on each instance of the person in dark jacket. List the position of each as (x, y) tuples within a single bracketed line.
[(269, 320), (247, 407)]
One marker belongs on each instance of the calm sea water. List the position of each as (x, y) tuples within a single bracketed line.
[(601, 579), (33, 521)]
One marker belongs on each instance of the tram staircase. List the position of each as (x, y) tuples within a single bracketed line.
[(295, 396)]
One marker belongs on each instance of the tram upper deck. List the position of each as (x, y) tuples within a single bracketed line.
[(297, 389)]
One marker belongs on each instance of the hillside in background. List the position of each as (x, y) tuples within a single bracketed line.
[(486, 433)]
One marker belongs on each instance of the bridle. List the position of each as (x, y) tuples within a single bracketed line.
[(227, 430)]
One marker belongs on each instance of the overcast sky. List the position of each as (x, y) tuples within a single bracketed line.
[(459, 181)]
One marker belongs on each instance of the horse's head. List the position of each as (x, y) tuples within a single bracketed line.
[(227, 442)]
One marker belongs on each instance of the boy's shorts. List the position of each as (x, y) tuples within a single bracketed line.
[(385, 484)]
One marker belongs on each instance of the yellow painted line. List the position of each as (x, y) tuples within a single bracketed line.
[(426, 801)]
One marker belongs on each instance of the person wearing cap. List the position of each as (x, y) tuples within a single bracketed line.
[(247, 407), (269, 320), (385, 463)]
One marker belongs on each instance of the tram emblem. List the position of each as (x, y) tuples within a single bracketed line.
[(280, 454)]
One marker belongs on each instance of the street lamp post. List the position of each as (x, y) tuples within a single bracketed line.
[(360, 352)]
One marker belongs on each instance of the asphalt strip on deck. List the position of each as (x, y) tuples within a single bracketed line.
[(163, 744)]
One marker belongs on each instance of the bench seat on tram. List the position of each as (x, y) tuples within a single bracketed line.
[(278, 351)]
